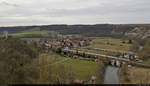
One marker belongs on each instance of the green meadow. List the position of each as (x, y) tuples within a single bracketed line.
[(81, 69)]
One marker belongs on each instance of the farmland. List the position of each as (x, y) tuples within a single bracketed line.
[(107, 43), (33, 34), (110, 43)]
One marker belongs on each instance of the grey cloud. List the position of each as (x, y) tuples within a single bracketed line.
[(8, 4), (74, 11)]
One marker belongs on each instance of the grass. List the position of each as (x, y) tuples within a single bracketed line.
[(31, 33), (114, 43), (102, 42), (147, 61), (35, 39), (139, 75), (82, 69), (34, 32)]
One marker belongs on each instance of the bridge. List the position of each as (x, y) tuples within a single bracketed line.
[(93, 56)]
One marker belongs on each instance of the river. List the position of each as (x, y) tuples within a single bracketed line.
[(111, 76)]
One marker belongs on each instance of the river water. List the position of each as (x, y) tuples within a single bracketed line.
[(111, 76)]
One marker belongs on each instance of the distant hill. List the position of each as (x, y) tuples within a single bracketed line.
[(111, 30)]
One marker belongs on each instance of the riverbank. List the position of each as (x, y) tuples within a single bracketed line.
[(134, 75), (100, 72)]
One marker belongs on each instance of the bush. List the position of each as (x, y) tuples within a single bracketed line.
[(145, 53)]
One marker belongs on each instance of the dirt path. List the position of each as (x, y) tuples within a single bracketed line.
[(60, 61)]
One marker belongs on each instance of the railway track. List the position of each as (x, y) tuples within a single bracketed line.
[(100, 56)]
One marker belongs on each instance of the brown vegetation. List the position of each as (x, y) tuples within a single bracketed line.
[(100, 73), (134, 75)]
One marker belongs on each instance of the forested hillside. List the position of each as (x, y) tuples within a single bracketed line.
[(16, 62), (113, 30)]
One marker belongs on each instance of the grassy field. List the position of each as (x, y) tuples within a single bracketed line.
[(81, 69), (37, 39), (25, 34), (107, 43), (110, 43), (34, 32)]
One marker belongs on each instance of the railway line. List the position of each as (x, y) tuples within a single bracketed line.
[(93, 56)]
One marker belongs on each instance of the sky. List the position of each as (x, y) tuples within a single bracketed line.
[(43, 12)]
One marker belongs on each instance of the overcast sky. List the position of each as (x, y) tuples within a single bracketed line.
[(34, 12)]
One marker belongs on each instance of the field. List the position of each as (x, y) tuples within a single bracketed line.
[(34, 39), (31, 33), (107, 43), (81, 69), (34, 35), (110, 43), (27, 33)]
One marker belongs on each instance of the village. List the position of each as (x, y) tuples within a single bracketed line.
[(68, 42)]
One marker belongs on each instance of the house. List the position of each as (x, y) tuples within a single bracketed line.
[(75, 45), (67, 44), (38, 44), (136, 57), (81, 43), (126, 56), (75, 41), (77, 81), (53, 44), (96, 60)]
